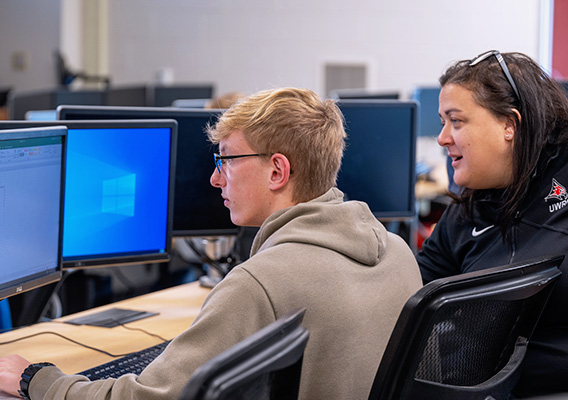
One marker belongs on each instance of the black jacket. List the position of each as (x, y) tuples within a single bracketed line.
[(540, 228)]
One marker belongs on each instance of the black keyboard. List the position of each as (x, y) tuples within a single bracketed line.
[(132, 363)]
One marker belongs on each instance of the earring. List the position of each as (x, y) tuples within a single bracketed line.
[(507, 136)]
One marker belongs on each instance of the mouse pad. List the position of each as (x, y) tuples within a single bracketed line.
[(111, 318)]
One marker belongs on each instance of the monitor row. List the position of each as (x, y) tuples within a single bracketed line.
[(112, 185), (22, 102)]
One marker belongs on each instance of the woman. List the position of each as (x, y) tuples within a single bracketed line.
[(505, 126)]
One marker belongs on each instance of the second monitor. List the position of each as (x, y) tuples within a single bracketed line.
[(118, 191), (198, 206)]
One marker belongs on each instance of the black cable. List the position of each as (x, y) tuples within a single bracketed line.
[(55, 291), (85, 345), (130, 287), (66, 338), (142, 330)]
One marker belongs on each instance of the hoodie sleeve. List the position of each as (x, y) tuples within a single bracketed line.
[(235, 309)]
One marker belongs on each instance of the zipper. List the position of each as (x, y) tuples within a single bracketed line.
[(514, 228)]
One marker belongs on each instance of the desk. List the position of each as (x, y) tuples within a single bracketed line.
[(177, 308)]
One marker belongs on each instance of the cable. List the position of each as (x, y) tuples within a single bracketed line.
[(85, 345), (206, 259), (130, 287), (66, 338), (142, 330)]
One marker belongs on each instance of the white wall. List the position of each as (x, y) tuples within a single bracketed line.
[(29, 28), (254, 44), (250, 45)]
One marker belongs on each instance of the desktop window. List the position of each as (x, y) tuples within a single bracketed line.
[(31, 184)]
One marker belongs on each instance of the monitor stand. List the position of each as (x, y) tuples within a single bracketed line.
[(218, 250)]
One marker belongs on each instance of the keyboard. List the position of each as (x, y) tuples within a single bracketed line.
[(133, 363)]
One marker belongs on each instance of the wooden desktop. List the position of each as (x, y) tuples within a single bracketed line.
[(177, 308)]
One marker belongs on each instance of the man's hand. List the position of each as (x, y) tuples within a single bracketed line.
[(11, 369)]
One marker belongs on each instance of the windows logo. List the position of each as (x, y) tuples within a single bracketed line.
[(118, 195)]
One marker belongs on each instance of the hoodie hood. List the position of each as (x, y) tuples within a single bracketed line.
[(327, 221)]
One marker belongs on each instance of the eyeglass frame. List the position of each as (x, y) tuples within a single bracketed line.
[(502, 64), (218, 159)]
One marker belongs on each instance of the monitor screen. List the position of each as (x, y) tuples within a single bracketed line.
[(22, 101), (429, 119), (32, 168), (198, 206), (118, 191), (154, 95), (378, 166), (362, 94), (126, 95), (164, 96)]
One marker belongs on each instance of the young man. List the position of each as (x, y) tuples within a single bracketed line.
[(280, 151)]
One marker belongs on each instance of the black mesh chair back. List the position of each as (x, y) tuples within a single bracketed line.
[(267, 365), (465, 337)]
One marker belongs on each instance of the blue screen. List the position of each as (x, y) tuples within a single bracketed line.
[(198, 206), (116, 193)]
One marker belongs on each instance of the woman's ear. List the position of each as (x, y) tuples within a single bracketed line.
[(280, 172), (511, 125)]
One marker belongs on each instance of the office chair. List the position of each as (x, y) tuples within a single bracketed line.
[(267, 365), (66, 76), (465, 337)]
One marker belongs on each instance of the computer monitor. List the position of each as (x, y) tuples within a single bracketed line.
[(378, 166), (155, 95), (32, 168), (362, 94), (164, 96), (41, 115), (134, 95), (429, 120), (22, 101), (118, 191), (198, 206)]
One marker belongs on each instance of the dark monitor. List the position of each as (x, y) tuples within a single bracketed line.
[(155, 95), (20, 102), (164, 96), (126, 96), (198, 206), (429, 119), (32, 170), (378, 166), (363, 94), (118, 191)]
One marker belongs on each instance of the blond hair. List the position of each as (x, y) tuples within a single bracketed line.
[(294, 122)]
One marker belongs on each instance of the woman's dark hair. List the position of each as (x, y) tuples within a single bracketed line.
[(542, 104)]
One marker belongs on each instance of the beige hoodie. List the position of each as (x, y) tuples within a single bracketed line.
[(328, 256)]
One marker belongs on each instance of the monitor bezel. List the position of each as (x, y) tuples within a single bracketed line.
[(38, 280), (413, 106), (64, 111), (123, 259)]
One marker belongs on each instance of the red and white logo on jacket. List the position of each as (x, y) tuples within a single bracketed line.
[(557, 192)]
